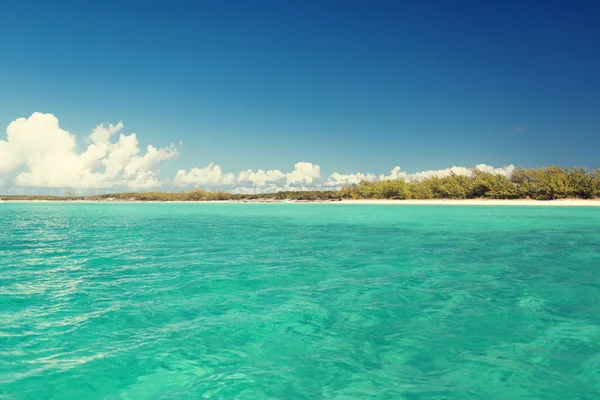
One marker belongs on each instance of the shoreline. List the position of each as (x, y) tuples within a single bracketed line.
[(483, 202), (466, 202)]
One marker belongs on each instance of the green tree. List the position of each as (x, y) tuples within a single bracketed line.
[(493, 186), (421, 190)]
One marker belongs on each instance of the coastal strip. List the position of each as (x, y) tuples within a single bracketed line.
[(438, 202)]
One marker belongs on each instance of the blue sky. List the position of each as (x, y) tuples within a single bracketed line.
[(353, 86)]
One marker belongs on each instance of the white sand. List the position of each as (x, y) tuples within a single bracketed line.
[(479, 202)]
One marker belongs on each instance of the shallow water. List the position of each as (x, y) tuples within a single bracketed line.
[(298, 301)]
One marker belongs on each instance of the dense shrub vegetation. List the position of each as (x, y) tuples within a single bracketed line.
[(535, 183), (203, 195)]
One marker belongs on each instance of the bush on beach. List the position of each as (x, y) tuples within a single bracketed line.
[(548, 183)]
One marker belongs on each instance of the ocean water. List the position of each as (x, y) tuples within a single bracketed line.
[(298, 301)]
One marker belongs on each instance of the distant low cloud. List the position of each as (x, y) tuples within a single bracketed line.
[(260, 177), (305, 176), (336, 179), (396, 173), (38, 153), (211, 175), (44, 155), (505, 171), (272, 188), (304, 173)]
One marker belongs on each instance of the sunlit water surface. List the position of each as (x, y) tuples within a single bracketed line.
[(298, 301)]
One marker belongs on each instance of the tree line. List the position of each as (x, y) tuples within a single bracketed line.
[(547, 183), (204, 195)]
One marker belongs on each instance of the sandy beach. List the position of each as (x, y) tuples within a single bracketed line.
[(449, 202), (481, 202)]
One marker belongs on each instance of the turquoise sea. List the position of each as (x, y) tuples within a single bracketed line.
[(298, 301)]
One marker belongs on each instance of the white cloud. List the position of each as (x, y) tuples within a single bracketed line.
[(260, 177), (255, 190), (506, 171), (37, 153), (303, 173), (102, 133), (396, 173), (45, 156), (337, 179), (211, 175)]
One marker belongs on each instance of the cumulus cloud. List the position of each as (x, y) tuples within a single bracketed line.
[(260, 177), (272, 188), (102, 133), (303, 173), (211, 175), (337, 179), (38, 153), (396, 173), (306, 176), (506, 171), (44, 155)]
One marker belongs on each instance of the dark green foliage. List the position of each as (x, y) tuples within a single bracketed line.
[(395, 189), (543, 183), (392, 189), (453, 187), (492, 186), (421, 190), (583, 184)]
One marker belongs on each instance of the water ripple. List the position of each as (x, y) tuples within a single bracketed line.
[(148, 301)]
